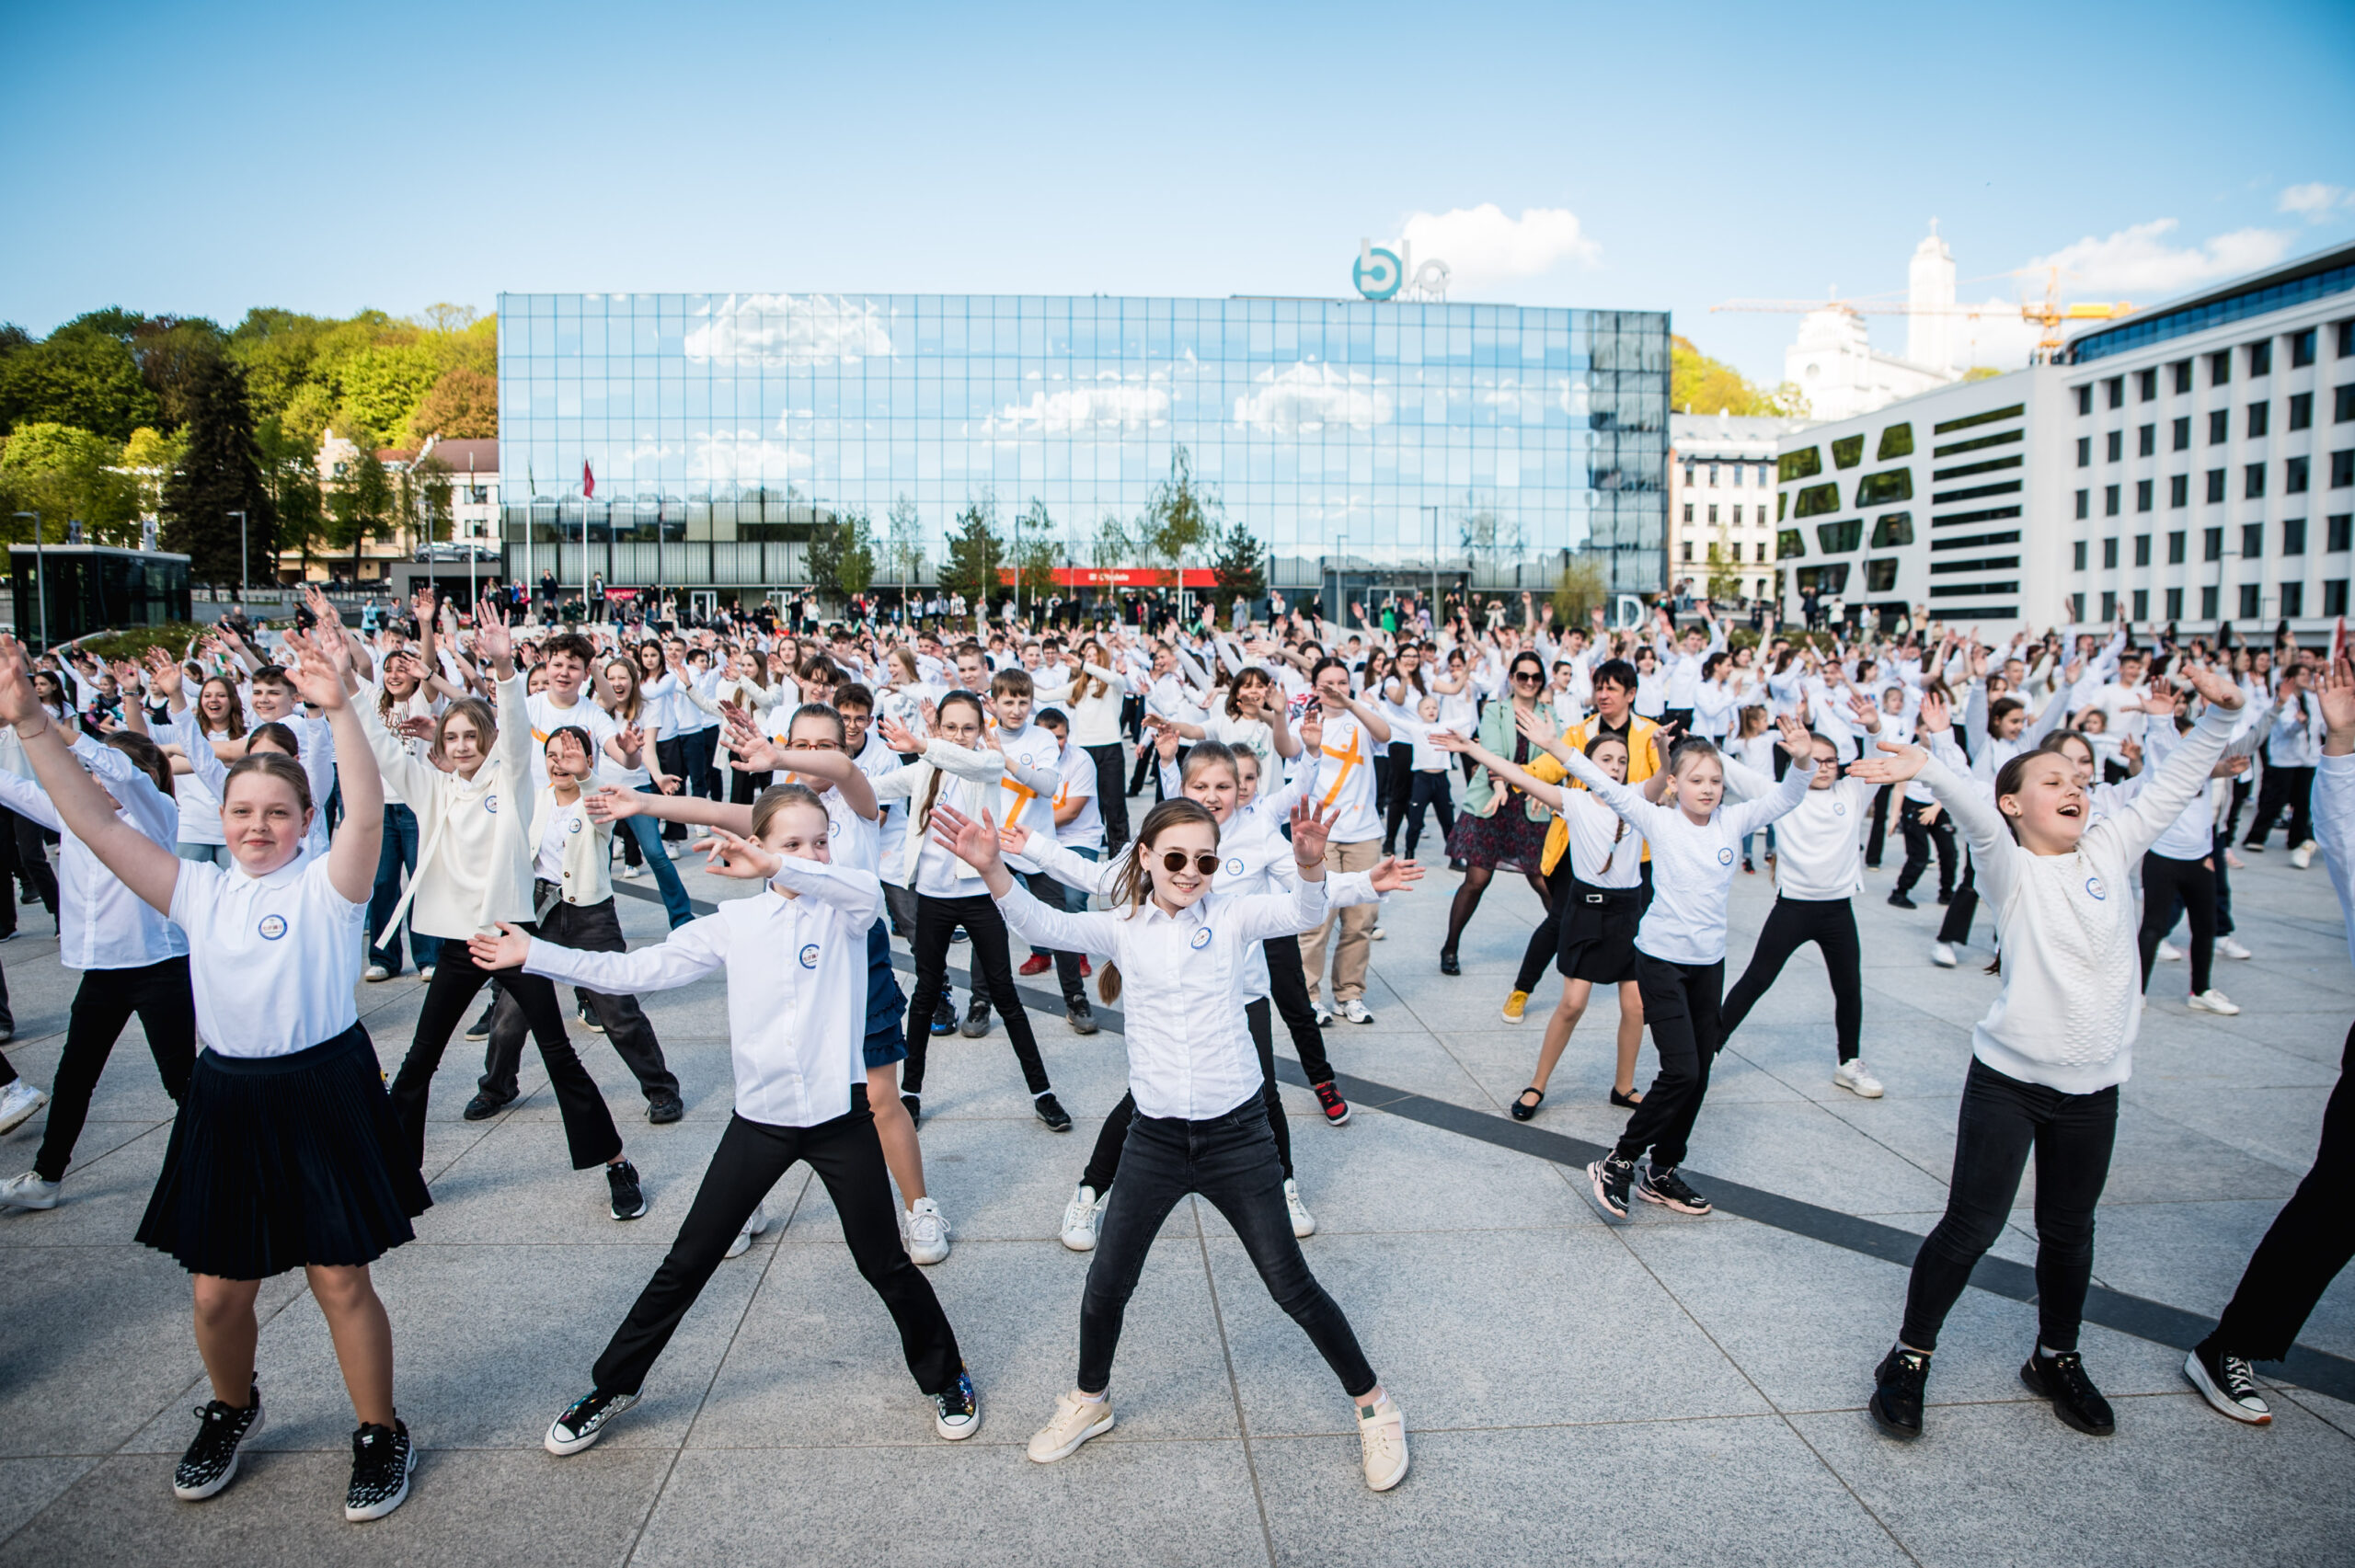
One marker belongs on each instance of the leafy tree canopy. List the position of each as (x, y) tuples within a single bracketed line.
[(1699, 384)]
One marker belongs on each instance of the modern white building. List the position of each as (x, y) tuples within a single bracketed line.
[(1834, 362), (2192, 464), (1721, 500)]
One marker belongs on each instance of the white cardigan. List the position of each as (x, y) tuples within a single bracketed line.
[(588, 854), (474, 864)]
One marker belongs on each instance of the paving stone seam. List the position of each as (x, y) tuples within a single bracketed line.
[(1233, 1384)]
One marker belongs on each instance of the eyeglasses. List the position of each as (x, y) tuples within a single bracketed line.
[(1532, 676), (1175, 861)]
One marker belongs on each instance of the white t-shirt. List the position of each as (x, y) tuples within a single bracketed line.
[(1085, 832), (547, 856), (273, 961), (1345, 779)]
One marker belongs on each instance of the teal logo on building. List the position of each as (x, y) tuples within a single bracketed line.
[(1378, 273)]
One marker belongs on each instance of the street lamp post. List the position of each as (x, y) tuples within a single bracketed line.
[(245, 567), (41, 579), (1434, 604)]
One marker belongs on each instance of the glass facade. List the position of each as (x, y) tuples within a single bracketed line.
[(1331, 428)]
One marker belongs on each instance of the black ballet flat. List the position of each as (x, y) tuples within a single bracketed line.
[(1522, 1113), (1625, 1101), (1447, 964)]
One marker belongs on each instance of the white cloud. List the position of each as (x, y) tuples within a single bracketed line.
[(2315, 202), (2137, 263), (731, 456), (786, 329), (1480, 244), (1306, 398), (1081, 410)]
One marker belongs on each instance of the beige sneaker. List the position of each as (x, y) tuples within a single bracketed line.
[(1382, 1437), (1076, 1421)]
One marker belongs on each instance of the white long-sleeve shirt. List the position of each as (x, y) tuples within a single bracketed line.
[(797, 986), (101, 923), (2072, 977), (1185, 984), (2334, 809), (1819, 846), (474, 861)]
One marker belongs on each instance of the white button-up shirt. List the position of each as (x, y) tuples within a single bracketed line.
[(797, 986), (101, 923), (1185, 978)]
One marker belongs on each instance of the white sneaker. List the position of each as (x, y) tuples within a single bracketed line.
[(19, 1101), (374, 972), (674, 848), (759, 1222), (425, 976), (2230, 947), (1376, 934), (927, 1233), (1942, 954), (1304, 1224), (1324, 1015), (1354, 1010), (2301, 857), (1075, 1422), (629, 873), (2169, 952), (1852, 1076), (1382, 1443), (27, 1191), (1080, 1218), (2213, 1001)]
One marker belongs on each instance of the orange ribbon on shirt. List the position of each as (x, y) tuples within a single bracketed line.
[(1349, 760)]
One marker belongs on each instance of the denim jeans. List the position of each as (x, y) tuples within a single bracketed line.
[(1229, 1159), (648, 832), (397, 856)]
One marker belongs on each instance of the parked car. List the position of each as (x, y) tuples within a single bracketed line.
[(458, 550)]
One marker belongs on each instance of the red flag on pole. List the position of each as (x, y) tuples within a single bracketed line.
[(588, 480)]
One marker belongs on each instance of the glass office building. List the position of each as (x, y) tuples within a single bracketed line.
[(698, 438)]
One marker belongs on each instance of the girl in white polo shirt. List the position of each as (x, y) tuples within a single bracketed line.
[(796, 962), (285, 1152)]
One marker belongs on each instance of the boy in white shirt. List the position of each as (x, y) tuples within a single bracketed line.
[(1350, 736)]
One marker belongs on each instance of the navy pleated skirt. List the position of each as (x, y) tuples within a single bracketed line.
[(279, 1161)]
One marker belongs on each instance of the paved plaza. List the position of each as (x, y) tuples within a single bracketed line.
[(1672, 1390)]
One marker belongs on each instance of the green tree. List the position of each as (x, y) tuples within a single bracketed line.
[(171, 351), (220, 474), (1034, 553), (291, 470), (903, 544), (384, 383), (78, 377), (1699, 384), (1725, 581), (463, 404), (1180, 517), (1240, 569), (1112, 546), (70, 476), (1579, 590), (976, 552), (842, 555)]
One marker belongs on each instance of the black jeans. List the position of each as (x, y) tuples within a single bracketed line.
[(1831, 924), (2290, 789), (751, 1158), (1680, 1007), (1546, 941), (1231, 1161), (1434, 791), (2001, 1120), (1920, 839), (744, 788), (2309, 1241), (589, 1128), (159, 994), (24, 856), (592, 928), (1104, 1160), (1397, 790), (1288, 988), (2168, 885), (935, 920), (1055, 896), (1110, 798), (1956, 927), (1877, 829)]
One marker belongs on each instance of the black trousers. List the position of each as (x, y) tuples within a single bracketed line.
[(1288, 988), (750, 1159), (592, 928), (2169, 885), (2284, 789), (1148, 766), (159, 994), (1831, 924), (1956, 927), (1434, 792), (2309, 1241), (1680, 1008), (1052, 894), (671, 750), (1397, 790), (1920, 839), (745, 788), (1231, 1161), (1877, 831), (935, 920), (589, 1128), (24, 856), (1110, 799), (2002, 1120), (1104, 1160)]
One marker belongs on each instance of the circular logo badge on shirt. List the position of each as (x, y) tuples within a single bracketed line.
[(1839, 808), (1725, 855), (2094, 889), (809, 956), (1202, 937), (1234, 865), (490, 804), (574, 826), (272, 927)]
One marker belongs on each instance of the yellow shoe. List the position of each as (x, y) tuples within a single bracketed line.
[(1514, 1006)]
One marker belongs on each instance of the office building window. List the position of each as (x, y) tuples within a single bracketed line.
[(2295, 471), (2334, 597), (2141, 604), (2113, 392), (2142, 549), (2108, 555), (2346, 330), (2181, 374), (2114, 447), (2143, 493), (2336, 531), (2251, 600), (2084, 399), (2216, 485), (2343, 404), (1897, 528), (2082, 499), (2208, 602), (2110, 500), (1880, 577), (2342, 470), (2220, 367), (1688, 551), (2077, 608), (1713, 514), (2260, 358), (2108, 607), (2085, 451), (1713, 475), (2178, 489), (2219, 425), (2301, 410), (2077, 554), (2211, 543), (1688, 511), (1895, 442), (2175, 548), (2146, 441), (2252, 481), (2301, 348), (2179, 434), (1848, 451), (2259, 420), (2293, 599), (2174, 603), (2252, 540), (2146, 385), (2293, 536)]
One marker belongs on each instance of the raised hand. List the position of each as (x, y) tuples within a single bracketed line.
[(323, 656), (2218, 688), (1935, 718), (895, 734), (740, 858), (1393, 874), (611, 803), (505, 951), (2337, 695), (163, 673), (1900, 764), (1798, 743), (1535, 723), (492, 639), (416, 727), (1311, 826)]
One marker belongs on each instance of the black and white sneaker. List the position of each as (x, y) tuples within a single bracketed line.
[(480, 1028), (588, 1019), (1670, 1190), (1080, 1017), (381, 1461), (2226, 1382), (1050, 1111), (583, 1420), (1610, 1177), (629, 1198), (957, 1409), (977, 1020), (210, 1462), (914, 1104), (2061, 1379)]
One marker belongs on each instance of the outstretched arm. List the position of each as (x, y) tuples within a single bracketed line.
[(145, 867)]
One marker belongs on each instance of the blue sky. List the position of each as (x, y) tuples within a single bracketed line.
[(202, 159)]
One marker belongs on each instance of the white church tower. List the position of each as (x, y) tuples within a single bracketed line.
[(1929, 330)]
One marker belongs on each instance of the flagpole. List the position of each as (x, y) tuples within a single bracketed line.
[(587, 493)]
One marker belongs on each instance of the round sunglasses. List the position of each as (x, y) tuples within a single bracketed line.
[(1175, 861)]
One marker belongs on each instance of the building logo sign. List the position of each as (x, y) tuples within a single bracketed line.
[(1381, 273)]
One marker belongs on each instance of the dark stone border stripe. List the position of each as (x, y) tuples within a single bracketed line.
[(2145, 1319)]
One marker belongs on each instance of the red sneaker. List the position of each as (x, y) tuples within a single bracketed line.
[(1086, 970), (1337, 1110), (1037, 963)]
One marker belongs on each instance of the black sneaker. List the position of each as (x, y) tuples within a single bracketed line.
[(977, 1020), (2226, 1382), (1899, 901), (1946, 895), (583, 1420), (1329, 1101), (1896, 1405), (957, 1409), (1080, 1017), (480, 1028), (588, 1019), (380, 1460), (1447, 962), (1610, 1177), (914, 1103), (664, 1109), (210, 1462), (944, 1018), (2061, 1379), (629, 1198), (1670, 1190), (486, 1104), (1050, 1111)]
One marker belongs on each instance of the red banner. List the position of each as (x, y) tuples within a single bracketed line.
[(1121, 576)]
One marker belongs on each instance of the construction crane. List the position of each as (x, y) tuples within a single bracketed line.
[(2049, 315)]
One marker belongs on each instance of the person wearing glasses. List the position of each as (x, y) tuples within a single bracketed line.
[(1500, 828), (1200, 1124)]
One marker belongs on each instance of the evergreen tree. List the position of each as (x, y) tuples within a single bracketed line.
[(976, 551), (842, 555), (221, 473), (1240, 569)]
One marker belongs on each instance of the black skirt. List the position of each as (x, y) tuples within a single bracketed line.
[(279, 1161), (1599, 934)]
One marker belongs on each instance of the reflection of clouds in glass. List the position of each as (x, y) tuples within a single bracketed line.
[(1306, 398), (787, 330), (1572, 395), (732, 455), (1081, 410)]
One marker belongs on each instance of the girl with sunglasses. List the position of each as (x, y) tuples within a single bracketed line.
[(1201, 1125)]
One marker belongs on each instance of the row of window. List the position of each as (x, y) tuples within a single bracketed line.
[(2338, 534), (1896, 442), (2250, 602), (1763, 555), (2297, 479), (2257, 422), (1757, 514), (1735, 475), (2258, 357)]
